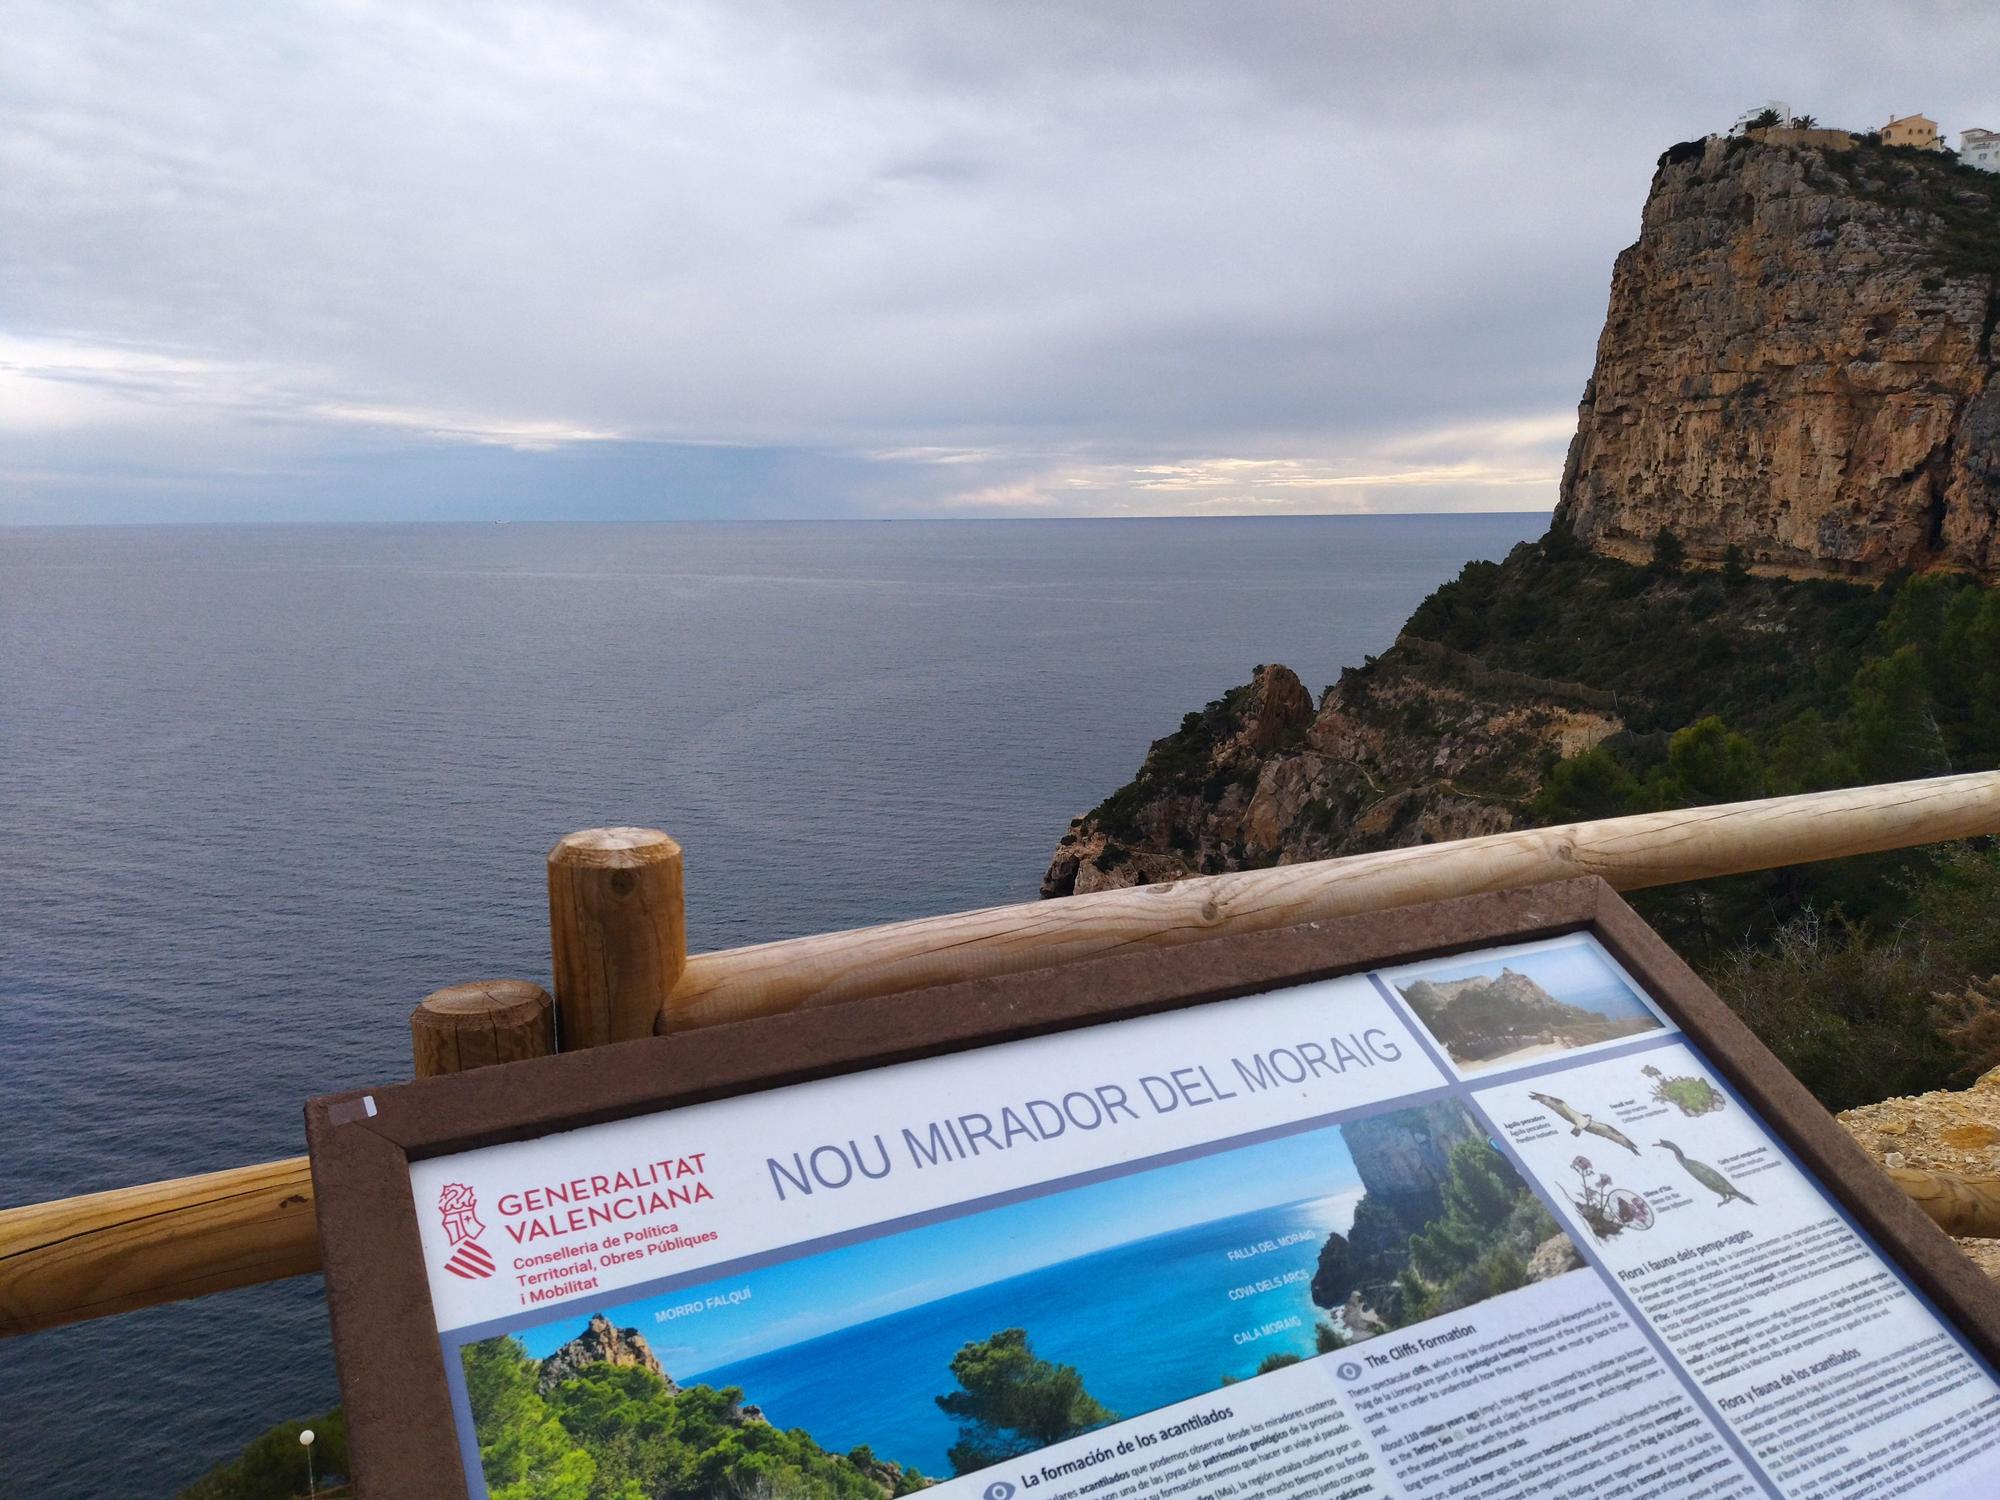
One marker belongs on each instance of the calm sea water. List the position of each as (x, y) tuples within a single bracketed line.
[(261, 788), (1145, 1324)]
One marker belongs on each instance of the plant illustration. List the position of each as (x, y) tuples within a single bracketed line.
[(1608, 1211), (1691, 1096)]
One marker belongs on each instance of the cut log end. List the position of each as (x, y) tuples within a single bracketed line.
[(615, 847), (617, 932), (476, 1025)]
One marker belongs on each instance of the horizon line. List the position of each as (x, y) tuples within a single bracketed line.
[(951, 520)]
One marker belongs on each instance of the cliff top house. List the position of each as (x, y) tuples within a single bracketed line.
[(1980, 148), (1920, 131), (1750, 117)]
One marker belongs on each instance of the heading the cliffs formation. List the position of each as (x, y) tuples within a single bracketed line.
[(1798, 363)]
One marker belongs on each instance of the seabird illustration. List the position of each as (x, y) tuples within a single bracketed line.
[(1581, 1123), (1708, 1177)]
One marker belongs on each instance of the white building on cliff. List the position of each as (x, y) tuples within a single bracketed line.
[(1980, 148), (1749, 117)]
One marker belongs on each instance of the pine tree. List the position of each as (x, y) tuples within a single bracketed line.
[(1011, 1402), (523, 1449)]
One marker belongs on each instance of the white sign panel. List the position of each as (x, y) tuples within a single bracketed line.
[(1486, 1226)]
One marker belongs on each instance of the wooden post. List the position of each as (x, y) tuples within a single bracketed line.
[(617, 930), (473, 1025)]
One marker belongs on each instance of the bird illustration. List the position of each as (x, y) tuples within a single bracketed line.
[(1708, 1177), (1581, 1123)]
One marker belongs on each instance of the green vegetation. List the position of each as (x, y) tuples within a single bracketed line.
[(1956, 206), (1479, 1246), (1733, 687), (274, 1466), (1011, 1402), (1862, 1009), (1179, 765), (1674, 647), (1691, 1096), (617, 1433), (1475, 1245), (1326, 1339), (1269, 1363)]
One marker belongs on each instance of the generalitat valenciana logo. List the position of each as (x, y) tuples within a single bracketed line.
[(462, 1227)]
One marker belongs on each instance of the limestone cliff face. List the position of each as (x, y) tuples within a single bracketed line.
[(1407, 1153), (601, 1344), (1403, 1159), (1798, 362)]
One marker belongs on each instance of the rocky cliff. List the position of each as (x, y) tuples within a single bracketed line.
[(1404, 751), (1795, 379), (1440, 1224), (1481, 1007), (1481, 1017), (1798, 364), (1403, 1159), (601, 1344)]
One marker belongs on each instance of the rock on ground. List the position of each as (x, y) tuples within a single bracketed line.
[(1944, 1131)]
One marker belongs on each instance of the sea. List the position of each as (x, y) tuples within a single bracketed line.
[(263, 787)]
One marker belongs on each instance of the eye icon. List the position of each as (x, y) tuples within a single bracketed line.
[(999, 1489)]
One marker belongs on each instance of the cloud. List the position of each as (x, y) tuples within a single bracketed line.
[(1058, 243), (1495, 478), (53, 385), (1511, 464)]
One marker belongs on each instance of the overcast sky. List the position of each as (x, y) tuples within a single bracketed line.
[(741, 259)]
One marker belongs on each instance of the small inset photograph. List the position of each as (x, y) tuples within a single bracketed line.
[(1502, 1007)]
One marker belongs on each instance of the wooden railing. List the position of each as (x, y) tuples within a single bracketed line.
[(616, 911)]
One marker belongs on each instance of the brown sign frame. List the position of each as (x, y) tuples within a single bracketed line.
[(401, 1433)]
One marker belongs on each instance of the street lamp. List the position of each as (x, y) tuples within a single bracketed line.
[(306, 1442)]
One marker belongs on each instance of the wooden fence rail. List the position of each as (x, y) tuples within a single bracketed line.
[(134, 1247)]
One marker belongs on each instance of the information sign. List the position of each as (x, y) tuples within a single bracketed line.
[(1483, 1199)]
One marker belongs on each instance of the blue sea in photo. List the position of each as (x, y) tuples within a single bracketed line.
[(854, 1344), (1146, 1324)]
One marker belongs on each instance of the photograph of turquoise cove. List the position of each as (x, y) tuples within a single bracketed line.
[(1506, 1006), (882, 1367)]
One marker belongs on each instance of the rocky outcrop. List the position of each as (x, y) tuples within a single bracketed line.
[(1798, 364), (1483, 1017), (890, 1478), (1554, 1257), (1795, 375), (1953, 1131), (601, 1344), (1403, 751), (1403, 1158), (1449, 1004)]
